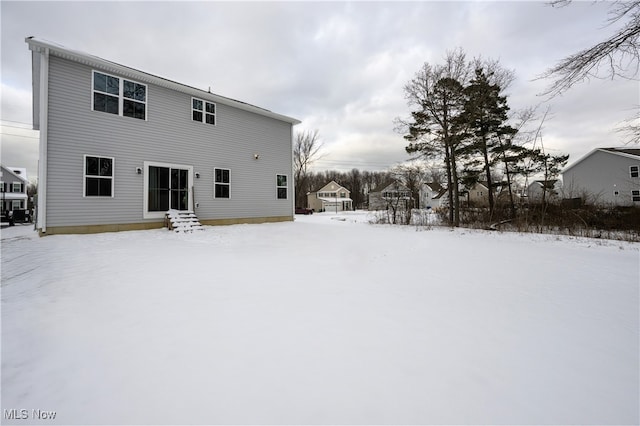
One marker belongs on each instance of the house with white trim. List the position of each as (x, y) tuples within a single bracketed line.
[(332, 197), (605, 176), (120, 147), (390, 194), (433, 195), (13, 185)]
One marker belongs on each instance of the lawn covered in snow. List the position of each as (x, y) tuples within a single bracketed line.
[(320, 321)]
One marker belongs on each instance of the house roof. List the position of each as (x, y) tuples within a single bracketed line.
[(549, 184), (387, 184), (329, 183), (624, 152), (434, 186), (333, 200), (39, 45), (20, 175)]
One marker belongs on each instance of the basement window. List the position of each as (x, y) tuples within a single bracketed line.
[(634, 171), (635, 195)]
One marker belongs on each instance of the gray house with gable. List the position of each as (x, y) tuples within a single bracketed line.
[(120, 147)]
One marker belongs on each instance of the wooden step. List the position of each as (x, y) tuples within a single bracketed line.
[(182, 221)]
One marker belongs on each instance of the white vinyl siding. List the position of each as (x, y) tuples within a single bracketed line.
[(169, 136)]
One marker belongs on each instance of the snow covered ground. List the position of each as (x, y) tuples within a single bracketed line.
[(319, 321)]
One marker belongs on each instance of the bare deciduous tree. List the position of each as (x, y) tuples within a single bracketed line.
[(305, 151), (616, 56)]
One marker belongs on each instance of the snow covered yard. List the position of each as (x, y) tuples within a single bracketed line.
[(319, 321)]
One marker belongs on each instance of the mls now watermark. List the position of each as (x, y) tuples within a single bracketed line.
[(24, 414)]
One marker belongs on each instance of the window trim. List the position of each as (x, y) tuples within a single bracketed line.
[(636, 172), (282, 186), (85, 176), (635, 195), (146, 214), (121, 97), (204, 111), (221, 183), (19, 186)]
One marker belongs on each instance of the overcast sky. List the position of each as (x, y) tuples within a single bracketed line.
[(338, 67)]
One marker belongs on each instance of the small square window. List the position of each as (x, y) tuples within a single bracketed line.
[(634, 171), (635, 195), (202, 111)]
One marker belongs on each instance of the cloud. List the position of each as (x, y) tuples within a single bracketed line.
[(339, 67)]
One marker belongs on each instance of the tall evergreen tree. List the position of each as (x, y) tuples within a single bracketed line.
[(484, 122)]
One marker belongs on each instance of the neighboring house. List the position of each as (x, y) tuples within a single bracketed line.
[(478, 195), (605, 176), (551, 189), (13, 184), (390, 194), (432, 195), (331, 198), (120, 147)]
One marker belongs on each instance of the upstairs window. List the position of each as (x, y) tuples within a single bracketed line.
[(115, 95), (281, 187), (203, 111), (16, 187), (634, 171), (222, 183), (98, 176)]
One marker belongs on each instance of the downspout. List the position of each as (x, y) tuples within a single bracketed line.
[(44, 121)]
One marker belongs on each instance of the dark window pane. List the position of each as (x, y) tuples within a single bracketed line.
[(99, 82), (211, 119), (105, 187), (92, 187), (282, 193), (179, 199), (133, 109), (93, 166), (211, 108), (282, 180), (113, 85), (106, 167), (158, 200), (133, 90), (197, 104), (225, 176), (222, 191), (105, 103), (197, 116)]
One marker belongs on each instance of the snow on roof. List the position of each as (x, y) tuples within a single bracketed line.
[(333, 200)]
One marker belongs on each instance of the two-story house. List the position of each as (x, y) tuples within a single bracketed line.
[(332, 197), (433, 195), (605, 176), (391, 194), (119, 147), (13, 184)]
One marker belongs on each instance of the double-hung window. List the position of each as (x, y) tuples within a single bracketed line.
[(222, 183), (16, 187), (634, 171), (119, 96), (281, 187), (203, 111), (98, 176), (635, 195)]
